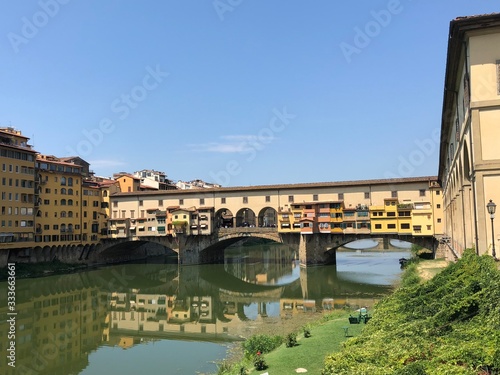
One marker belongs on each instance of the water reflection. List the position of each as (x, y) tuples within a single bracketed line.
[(66, 324)]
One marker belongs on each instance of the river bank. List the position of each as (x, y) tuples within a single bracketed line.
[(328, 335)]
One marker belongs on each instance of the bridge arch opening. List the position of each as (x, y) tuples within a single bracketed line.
[(245, 217), (267, 217), (224, 218)]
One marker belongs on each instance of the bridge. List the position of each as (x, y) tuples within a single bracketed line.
[(312, 249)]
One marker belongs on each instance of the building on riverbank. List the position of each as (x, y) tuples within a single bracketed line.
[(469, 161), (17, 189)]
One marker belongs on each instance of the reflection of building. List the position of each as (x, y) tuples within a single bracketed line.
[(55, 332)]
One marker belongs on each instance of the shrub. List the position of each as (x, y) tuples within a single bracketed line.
[(261, 343), (259, 362), (307, 331), (291, 340)]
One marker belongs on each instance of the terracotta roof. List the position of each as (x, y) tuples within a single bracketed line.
[(209, 191)]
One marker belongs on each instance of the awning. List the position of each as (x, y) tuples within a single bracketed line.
[(132, 228)]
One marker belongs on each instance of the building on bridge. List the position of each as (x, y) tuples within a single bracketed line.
[(407, 206), (469, 161)]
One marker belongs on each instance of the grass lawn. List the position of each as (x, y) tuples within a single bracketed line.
[(310, 352)]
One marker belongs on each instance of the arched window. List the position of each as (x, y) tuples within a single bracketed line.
[(63, 213), (70, 181), (70, 213), (63, 180), (63, 202), (63, 227), (63, 191), (105, 193), (70, 191), (70, 202)]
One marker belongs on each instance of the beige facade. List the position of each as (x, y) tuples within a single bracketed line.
[(469, 164), (336, 207), (17, 190)]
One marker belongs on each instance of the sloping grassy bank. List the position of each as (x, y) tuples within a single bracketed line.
[(447, 325), (309, 353)]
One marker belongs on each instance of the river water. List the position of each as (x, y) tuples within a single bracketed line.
[(162, 318)]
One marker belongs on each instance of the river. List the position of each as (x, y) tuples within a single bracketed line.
[(159, 317)]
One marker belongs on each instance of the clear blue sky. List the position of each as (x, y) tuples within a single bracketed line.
[(239, 92)]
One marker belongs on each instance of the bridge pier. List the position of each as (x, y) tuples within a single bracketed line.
[(313, 249)]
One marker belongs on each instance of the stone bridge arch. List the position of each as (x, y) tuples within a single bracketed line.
[(322, 250), (120, 250)]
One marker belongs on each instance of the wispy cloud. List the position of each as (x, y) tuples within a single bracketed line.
[(228, 144), (103, 163)]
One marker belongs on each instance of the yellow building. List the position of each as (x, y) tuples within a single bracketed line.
[(469, 160), (128, 183), (17, 190)]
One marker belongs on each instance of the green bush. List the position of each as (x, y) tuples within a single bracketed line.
[(447, 325), (291, 340), (307, 331), (259, 362), (261, 343)]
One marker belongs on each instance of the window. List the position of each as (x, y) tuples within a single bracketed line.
[(405, 226), (202, 201), (422, 192), (160, 202), (378, 226), (391, 213), (268, 198), (290, 198), (315, 197), (439, 220), (438, 206), (115, 204), (391, 226), (63, 181), (132, 213), (394, 194), (245, 199), (223, 200), (181, 202), (438, 192), (367, 195), (140, 202), (341, 196)]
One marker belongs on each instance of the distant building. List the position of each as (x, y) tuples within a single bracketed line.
[(469, 160), (155, 180), (195, 184)]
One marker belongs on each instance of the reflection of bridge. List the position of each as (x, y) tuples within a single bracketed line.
[(312, 249)]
